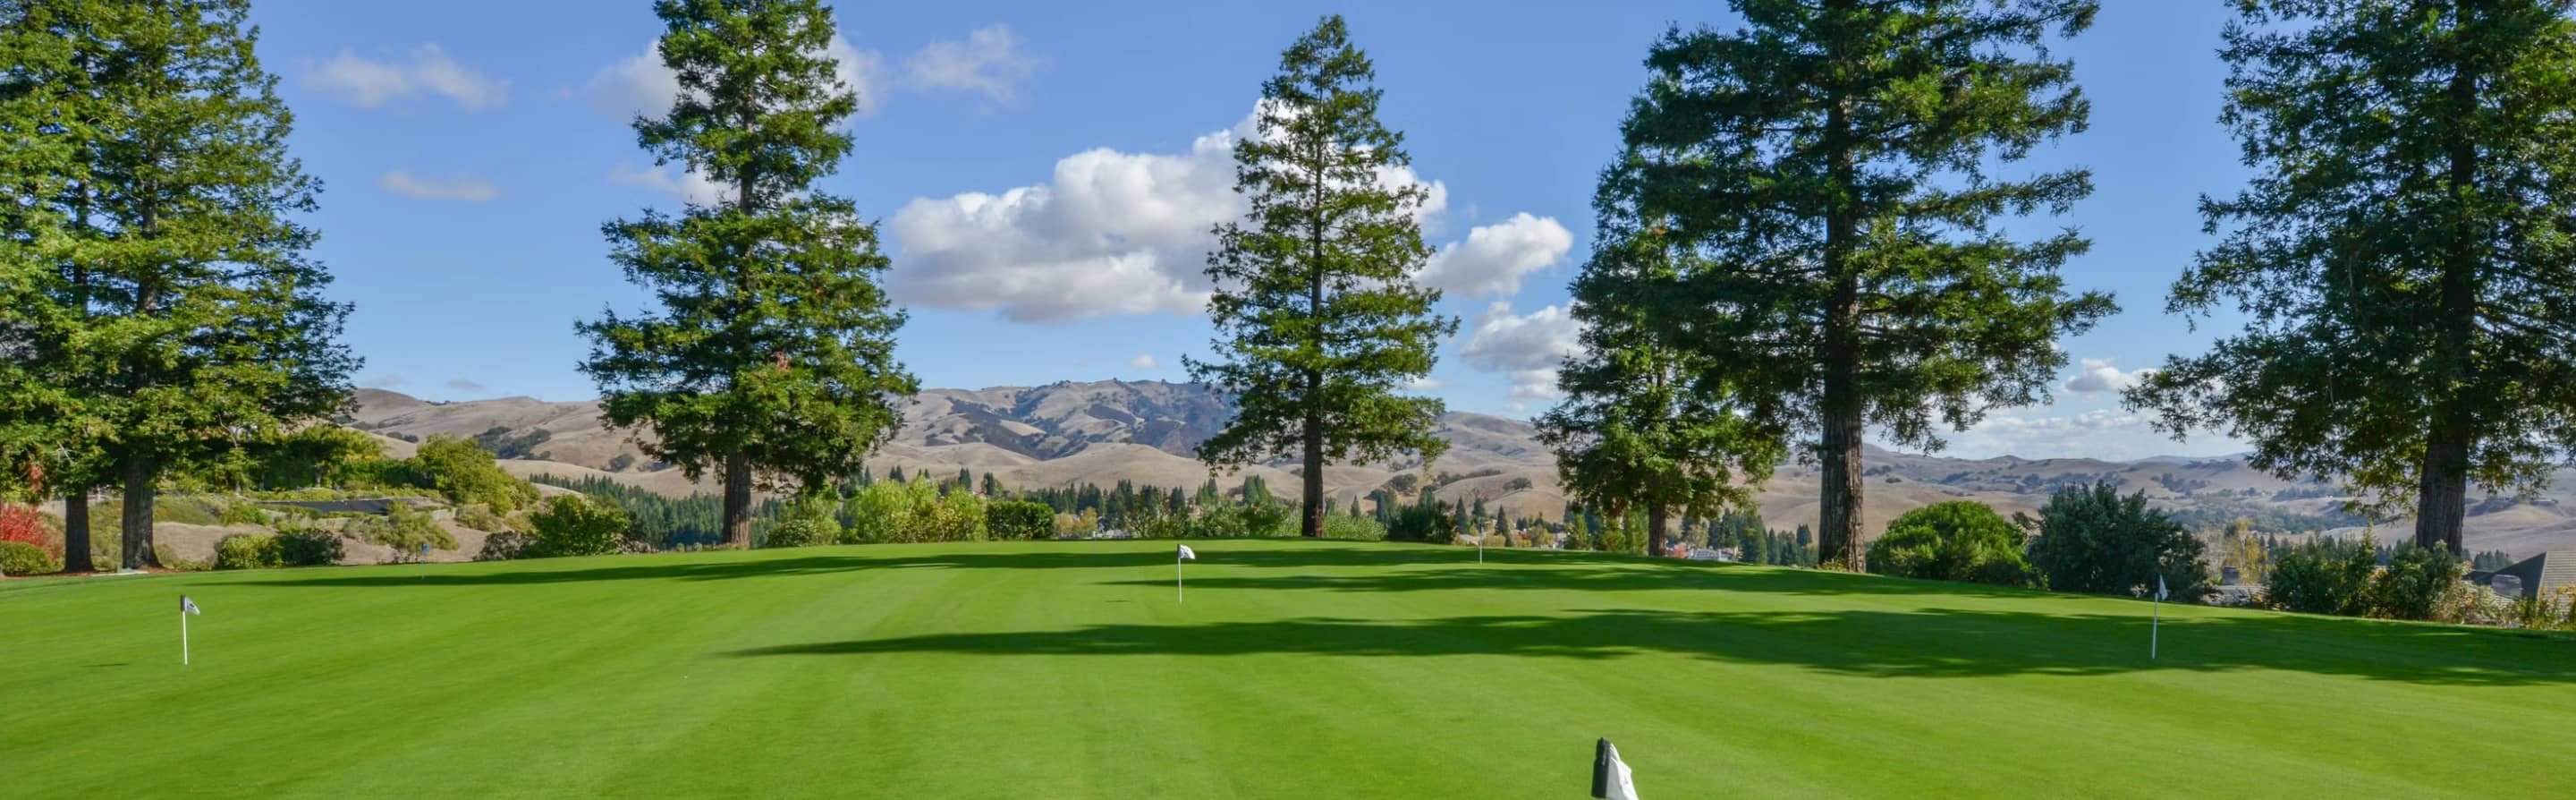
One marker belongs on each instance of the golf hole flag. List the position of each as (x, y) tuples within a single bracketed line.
[(1186, 555), (186, 607), (2156, 627), (1610, 775)]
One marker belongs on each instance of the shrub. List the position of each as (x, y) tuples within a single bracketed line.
[(884, 511), (21, 558), (959, 517), (240, 514), (1516, 484), (806, 523), (621, 462), (480, 517), (1076, 526), (307, 547), (26, 525), (2323, 576), (468, 474), (247, 551), (170, 559), (404, 530), (1420, 522), (505, 546), (1244, 521), (2093, 540), (572, 525), (1359, 529), (1019, 519), (2418, 584), (1961, 540)]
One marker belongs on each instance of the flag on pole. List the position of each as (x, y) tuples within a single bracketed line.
[(1610, 780), (1187, 554), (188, 606), (2160, 587)]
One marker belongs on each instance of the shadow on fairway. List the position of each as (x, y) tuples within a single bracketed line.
[(1591, 573), (1937, 643), (1074, 555)]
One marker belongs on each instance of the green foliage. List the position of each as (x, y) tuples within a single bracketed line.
[(240, 514), (1960, 540), (154, 266), (663, 522), (404, 530), (807, 522), (21, 558), (771, 357), (1019, 519), (169, 558), (621, 462), (572, 525), (1426, 521), (1319, 320), (468, 474), (481, 518), (505, 547), (2325, 575), (2093, 540), (502, 443), (2418, 583), (1250, 520), (248, 551), (307, 547), (1828, 175), (2402, 255), (1356, 529)]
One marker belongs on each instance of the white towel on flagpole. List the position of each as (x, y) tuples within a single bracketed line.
[(187, 605), (1187, 554), (2160, 586)]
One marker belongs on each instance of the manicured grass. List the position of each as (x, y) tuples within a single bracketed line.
[(1295, 669)]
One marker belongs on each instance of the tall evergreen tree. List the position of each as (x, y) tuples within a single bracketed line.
[(1636, 428), (1319, 321), (182, 318), (771, 359), (2405, 254), (1833, 165)]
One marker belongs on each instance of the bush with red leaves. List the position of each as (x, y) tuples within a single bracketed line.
[(25, 524)]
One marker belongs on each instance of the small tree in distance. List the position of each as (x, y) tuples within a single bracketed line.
[(2093, 540)]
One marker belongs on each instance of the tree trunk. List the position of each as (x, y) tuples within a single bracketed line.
[(1838, 524), (1311, 507), (136, 527), (737, 499), (2441, 505), (76, 531), (1656, 517)]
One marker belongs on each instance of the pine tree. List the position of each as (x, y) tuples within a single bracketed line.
[(1319, 321), (1829, 165), (1635, 430), (771, 359), (2405, 254), (174, 316)]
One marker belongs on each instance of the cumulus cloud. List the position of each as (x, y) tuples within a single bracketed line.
[(1527, 347), (426, 69), (1107, 233), (463, 385), (2099, 376), (460, 187), (1494, 257), (988, 62), (386, 381), (1142, 361), (639, 85), (1424, 384), (687, 184)]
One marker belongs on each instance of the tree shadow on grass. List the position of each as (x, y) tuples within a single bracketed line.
[(682, 567), (1934, 643), (1610, 575)]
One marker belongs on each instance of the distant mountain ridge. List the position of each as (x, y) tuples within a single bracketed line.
[(1148, 431)]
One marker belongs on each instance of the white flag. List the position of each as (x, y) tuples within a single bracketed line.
[(1187, 554), (2160, 586), (1610, 780), (187, 605)]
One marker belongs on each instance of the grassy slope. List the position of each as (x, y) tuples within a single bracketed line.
[(1294, 670)]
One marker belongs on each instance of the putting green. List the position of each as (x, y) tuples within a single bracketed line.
[(1294, 669)]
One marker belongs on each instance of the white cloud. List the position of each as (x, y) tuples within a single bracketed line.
[(2099, 376), (1108, 233), (641, 85), (1494, 257), (1528, 347), (989, 62), (463, 385), (1424, 384), (461, 187), (688, 185), (372, 82), (1142, 361)]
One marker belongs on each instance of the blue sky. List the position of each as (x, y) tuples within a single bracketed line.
[(1066, 158)]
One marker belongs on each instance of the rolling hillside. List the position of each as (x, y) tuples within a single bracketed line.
[(1107, 431)]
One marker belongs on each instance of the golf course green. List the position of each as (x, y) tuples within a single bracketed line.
[(1293, 669)]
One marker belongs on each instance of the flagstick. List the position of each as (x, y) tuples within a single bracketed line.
[(2155, 627), (1177, 595), (183, 638)]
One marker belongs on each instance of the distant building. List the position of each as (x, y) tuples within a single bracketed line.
[(2543, 575)]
